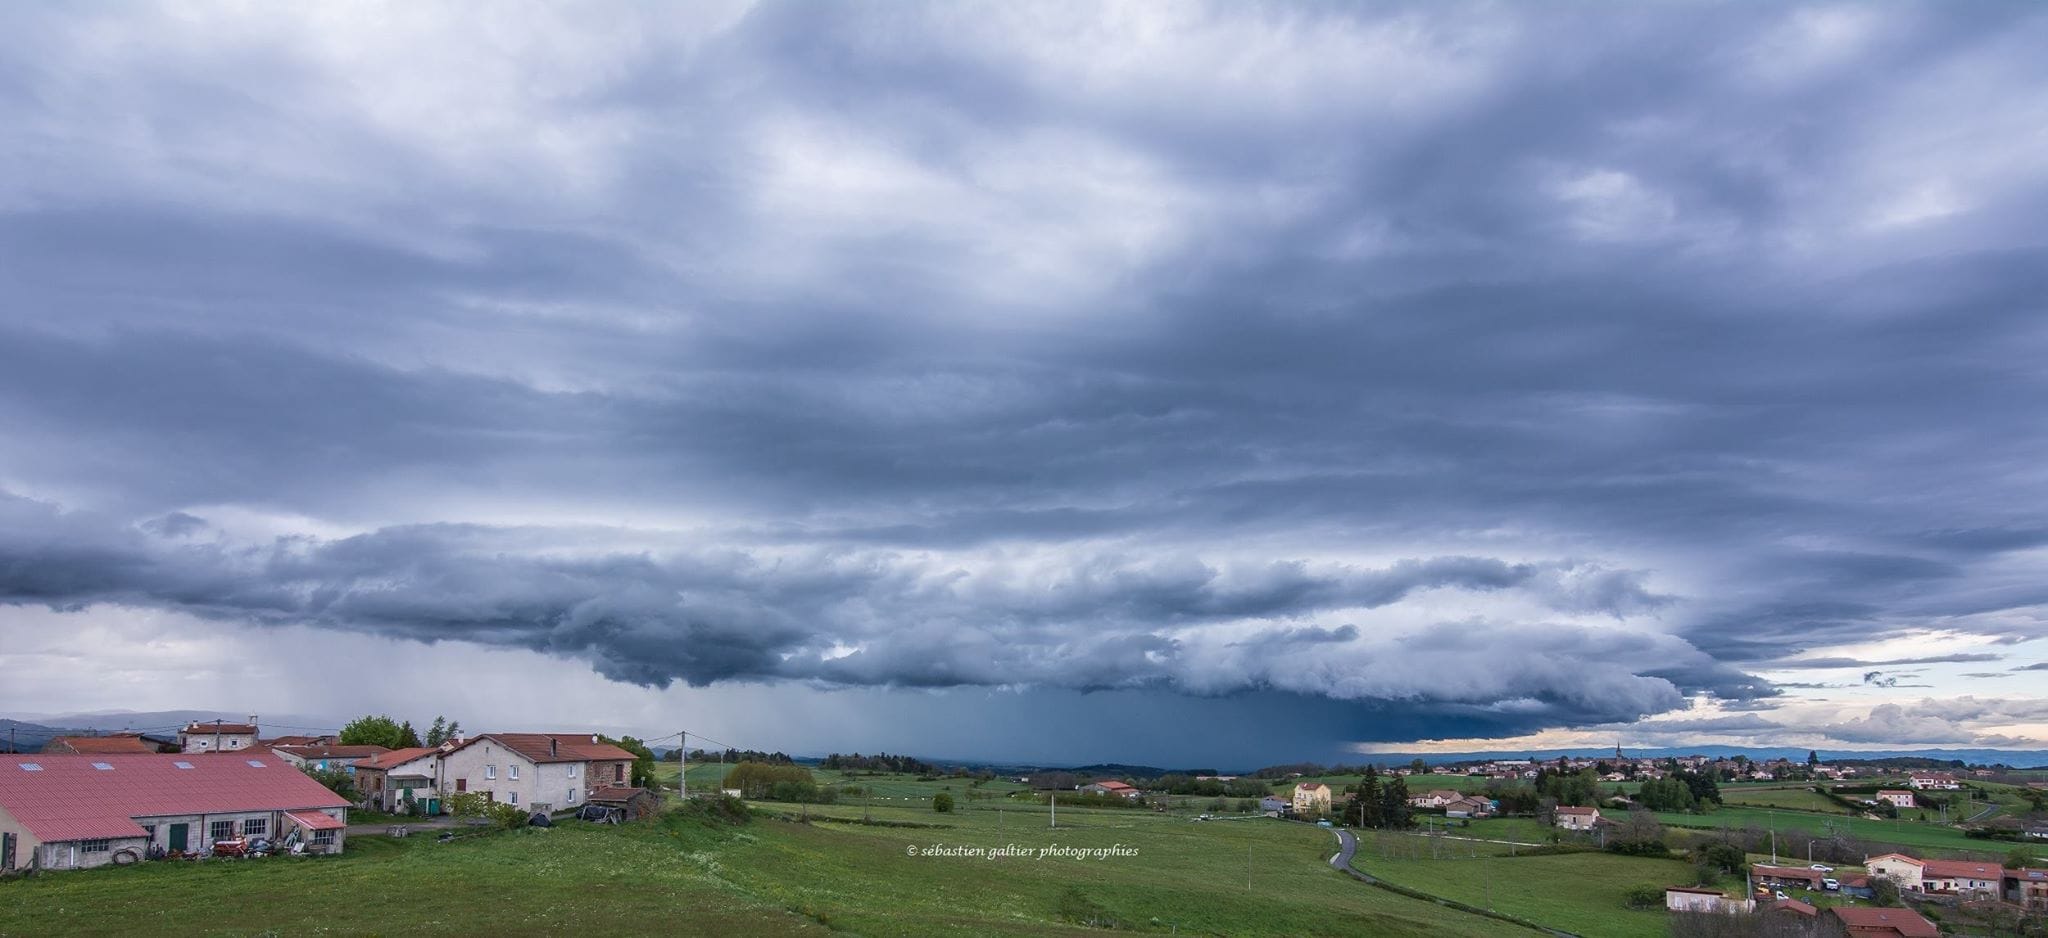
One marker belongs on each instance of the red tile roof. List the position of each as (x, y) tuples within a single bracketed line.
[(316, 821), (1904, 922), (96, 744), (224, 729), (69, 799), (1114, 786), (395, 758), (332, 752), (1960, 869), (1794, 905), (1568, 809), (568, 747), (296, 740), (616, 794)]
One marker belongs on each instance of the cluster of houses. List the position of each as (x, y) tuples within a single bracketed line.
[(1955, 879), (1455, 804), (92, 801), (1621, 767)]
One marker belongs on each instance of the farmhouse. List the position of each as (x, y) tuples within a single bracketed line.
[(1902, 870), (72, 812), (1898, 798), (390, 780), (325, 758), (1111, 787), (1434, 799), (1311, 798), (2028, 888), (1961, 878), (1577, 819), (99, 745), (1865, 920), (218, 737), (1691, 899), (1468, 807), (1941, 781), (536, 771), (1275, 806)]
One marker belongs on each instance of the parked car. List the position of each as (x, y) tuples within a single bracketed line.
[(1822, 867), (1830, 884)]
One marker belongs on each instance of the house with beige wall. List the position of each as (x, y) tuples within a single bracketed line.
[(216, 736), (535, 771), (1311, 799)]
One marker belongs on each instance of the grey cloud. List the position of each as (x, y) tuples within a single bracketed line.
[(1818, 663), (1712, 337)]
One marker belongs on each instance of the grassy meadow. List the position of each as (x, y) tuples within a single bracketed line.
[(773, 876), (1577, 892)]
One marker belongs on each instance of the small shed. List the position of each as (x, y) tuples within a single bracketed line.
[(620, 804)]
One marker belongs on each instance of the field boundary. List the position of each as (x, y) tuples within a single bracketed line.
[(1367, 878)]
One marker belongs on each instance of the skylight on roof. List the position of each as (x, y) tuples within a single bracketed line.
[(182, 764), (258, 763), (103, 766), (31, 767)]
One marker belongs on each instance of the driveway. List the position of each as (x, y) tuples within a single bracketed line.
[(424, 824)]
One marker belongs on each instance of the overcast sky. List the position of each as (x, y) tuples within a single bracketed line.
[(1156, 382)]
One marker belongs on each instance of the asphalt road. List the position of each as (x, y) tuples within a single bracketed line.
[(1346, 846)]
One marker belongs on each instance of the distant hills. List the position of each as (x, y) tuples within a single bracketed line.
[(30, 736)]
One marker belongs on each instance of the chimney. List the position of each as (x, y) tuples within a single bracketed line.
[(554, 747), (593, 739)]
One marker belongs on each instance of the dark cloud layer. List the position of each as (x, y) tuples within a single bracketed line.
[(1518, 369)]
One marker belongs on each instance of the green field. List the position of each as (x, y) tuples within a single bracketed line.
[(1794, 797), (774, 876), (1942, 841), (1578, 892)]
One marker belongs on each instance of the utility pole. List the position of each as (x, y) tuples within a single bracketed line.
[(1774, 846), (1055, 799), (683, 762), (1247, 868)]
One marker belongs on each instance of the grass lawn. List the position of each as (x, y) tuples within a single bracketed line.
[(1797, 798), (682, 875), (1578, 892)]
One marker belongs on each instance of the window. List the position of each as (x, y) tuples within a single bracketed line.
[(149, 830), (104, 766), (222, 830), (572, 795), (234, 744), (618, 771), (490, 771), (515, 797), (512, 772), (93, 846), (323, 838), (31, 767), (256, 763), (572, 770), (182, 764), (256, 827)]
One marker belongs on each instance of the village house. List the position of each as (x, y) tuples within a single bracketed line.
[(131, 743), (1898, 798), (2027, 888), (1434, 799), (1469, 807), (216, 736), (60, 812), (535, 771), (1864, 920), (1275, 806), (326, 758), (276, 741), (1111, 787), (1311, 799), (1939, 877), (401, 780), (1795, 909), (1940, 781), (1691, 899), (1577, 819)]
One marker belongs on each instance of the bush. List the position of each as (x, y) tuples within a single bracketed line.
[(1645, 896), (722, 809), (942, 803), (1639, 848)]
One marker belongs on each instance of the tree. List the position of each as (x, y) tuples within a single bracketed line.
[(1883, 891), (438, 732), (942, 803), (373, 731), (1366, 808), (1394, 811), (1812, 758), (1710, 860), (2019, 858), (1419, 767), (407, 738), (337, 781)]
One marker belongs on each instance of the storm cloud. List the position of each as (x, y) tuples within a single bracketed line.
[(1521, 369)]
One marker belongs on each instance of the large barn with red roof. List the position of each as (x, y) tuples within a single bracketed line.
[(73, 812)]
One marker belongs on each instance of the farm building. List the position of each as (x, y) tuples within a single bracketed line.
[(1577, 819), (1896, 923), (73, 812), (621, 804), (326, 758)]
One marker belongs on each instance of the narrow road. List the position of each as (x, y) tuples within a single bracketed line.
[(1346, 846)]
